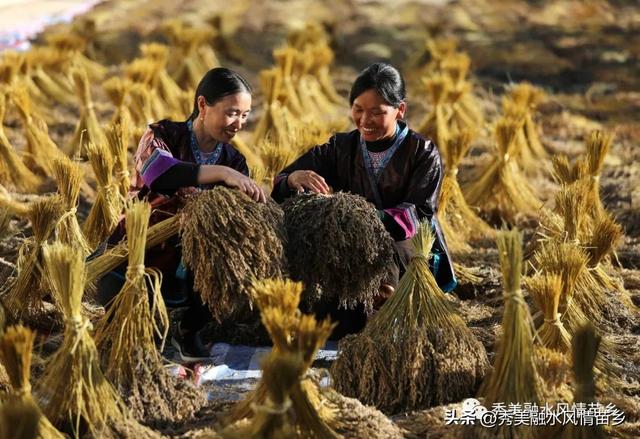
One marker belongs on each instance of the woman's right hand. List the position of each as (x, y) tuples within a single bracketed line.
[(304, 179), (238, 180)]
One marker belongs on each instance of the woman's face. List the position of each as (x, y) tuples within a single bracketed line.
[(373, 117), (226, 117)]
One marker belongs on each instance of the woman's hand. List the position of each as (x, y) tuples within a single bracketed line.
[(301, 180), (240, 181)]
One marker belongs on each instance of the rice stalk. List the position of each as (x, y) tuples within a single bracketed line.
[(118, 136), (105, 211), (529, 97), (23, 299), (252, 249), (501, 188), (435, 125), (564, 172), (69, 177), (117, 90), (40, 58), (73, 45), (168, 89), (88, 129), (598, 146), (514, 378), (13, 172), (16, 346), (338, 247), (416, 351), (141, 104), (73, 388)]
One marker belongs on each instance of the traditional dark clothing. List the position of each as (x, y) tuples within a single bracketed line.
[(405, 193), (167, 163)]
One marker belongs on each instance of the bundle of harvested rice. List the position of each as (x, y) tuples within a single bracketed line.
[(337, 246), (565, 172), (546, 291), (274, 158), (408, 353), (73, 45), (142, 110), (435, 124), (598, 145), (285, 58), (177, 99), (75, 393), (146, 71), (15, 354), (528, 97), (270, 122), (69, 177), (13, 172), (117, 90), (501, 190), (88, 129), (584, 350), (466, 114), (105, 211), (514, 378), (118, 136), (42, 59), (195, 58), (23, 300), (459, 222), (41, 149), (294, 334), (127, 332), (554, 370), (250, 247)]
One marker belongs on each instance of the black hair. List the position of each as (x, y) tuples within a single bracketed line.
[(384, 79), (216, 84)]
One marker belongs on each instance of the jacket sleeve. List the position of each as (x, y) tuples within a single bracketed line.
[(421, 201), (320, 159)]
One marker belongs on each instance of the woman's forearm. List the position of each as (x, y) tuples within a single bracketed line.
[(212, 174)]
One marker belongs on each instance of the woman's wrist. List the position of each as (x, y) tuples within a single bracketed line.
[(208, 174)]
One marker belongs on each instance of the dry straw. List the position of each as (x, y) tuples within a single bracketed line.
[(105, 211), (514, 378), (41, 149), (117, 89), (118, 136), (337, 247), (292, 334), (126, 335), (74, 391), (15, 354), (460, 223), (44, 59), (501, 189), (598, 145), (250, 247), (19, 420), (466, 113), (416, 352), (527, 97), (23, 300), (73, 45), (88, 129), (435, 125), (177, 100), (69, 177), (13, 172)]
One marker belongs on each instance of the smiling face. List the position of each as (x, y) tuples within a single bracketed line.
[(222, 120), (374, 117)]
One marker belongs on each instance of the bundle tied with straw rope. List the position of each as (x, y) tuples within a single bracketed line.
[(514, 378), (338, 247), (312, 410), (13, 172), (15, 354), (118, 136), (73, 46), (41, 149), (435, 124), (117, 90), (46, 58), (75, 392), (598, 145), (69, 177), (501, 189), (547, 291), (88, 129), (23, 300), (527, 97), (127, 332), (417, 351), (460, 223), (250, 247), (168, 89), (105, 211)]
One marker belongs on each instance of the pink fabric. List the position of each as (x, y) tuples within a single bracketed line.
[(405, 219)]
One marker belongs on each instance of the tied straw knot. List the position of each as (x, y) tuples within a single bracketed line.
[(122, 174), (516, 296), (23, 390), (78, 325), (555, 321), (419, 257), (271, 408), (134, 272)]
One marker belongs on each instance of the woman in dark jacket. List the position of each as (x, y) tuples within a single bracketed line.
[(384, 161)]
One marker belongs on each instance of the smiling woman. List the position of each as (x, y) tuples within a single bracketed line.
[(392, 166)]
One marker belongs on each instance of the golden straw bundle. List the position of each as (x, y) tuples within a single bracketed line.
[(274, 158), (15, 354), (88, 129), (295, 334), (546, 291), (42, 150), (459, 222), (73, 45), (501, 189), (168, 89), (105, 212), (41, 59), (117, 90), (13, 172), (598, 145), (406, 355), (435, 124), (141, 104), (24, 297), (75, 392), (69, 177), (127, 332), (528, 97), (118, 136), (514, 378)]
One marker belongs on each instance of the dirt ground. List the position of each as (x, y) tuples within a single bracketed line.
[(584, 55)]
